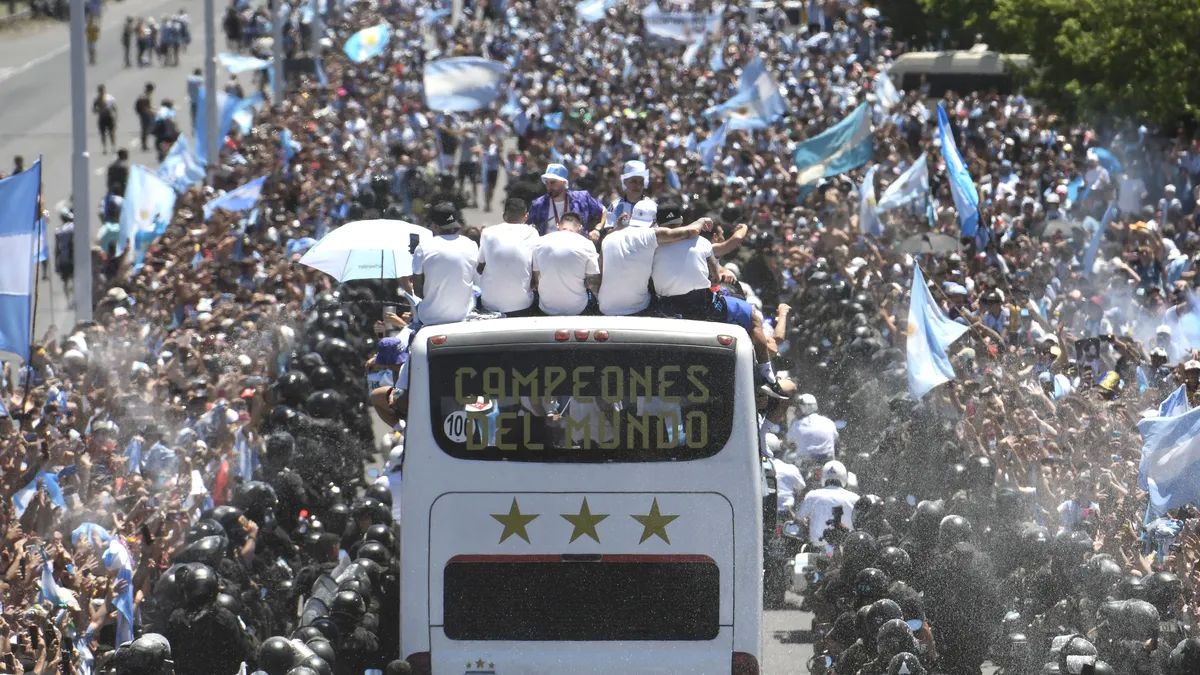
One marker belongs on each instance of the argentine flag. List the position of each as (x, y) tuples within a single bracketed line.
[(843, 147), (237, 63), (1171, 460), (18, 244), (147, 210), (868, 217), (758, 102), (929, 334), (368, 43), (910, 188), (463, 84), (239, 199), (962, 188), (181, 167)]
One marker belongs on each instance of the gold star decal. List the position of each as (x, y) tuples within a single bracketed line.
[(654, 523), (491, 665), (585, 522), (479, 663), (514, 522)]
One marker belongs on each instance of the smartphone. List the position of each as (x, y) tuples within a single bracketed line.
[(33, 636), (30, 548)]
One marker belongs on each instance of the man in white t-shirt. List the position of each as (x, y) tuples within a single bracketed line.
[(627, 255), (567, 268), (812, 437), (684, 273), (506, 263), (635, 178), (789, 482), (444, 270), (818, 505)]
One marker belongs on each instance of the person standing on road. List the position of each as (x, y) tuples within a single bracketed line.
[(105, 107), (93, 36), (128, 35), (144, 107), (118, 173), (194, 82)]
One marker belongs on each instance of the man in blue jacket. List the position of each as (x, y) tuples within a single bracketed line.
[(547, 210)]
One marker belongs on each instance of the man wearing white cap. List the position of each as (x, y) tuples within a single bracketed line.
[(627, 255), (635, 178), (547, 210)]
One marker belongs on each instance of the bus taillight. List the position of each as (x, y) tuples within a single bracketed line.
[(437, 340), (562, 335), (600, 335), (743, 664), (421, 664), (581, 334), (725, 340)]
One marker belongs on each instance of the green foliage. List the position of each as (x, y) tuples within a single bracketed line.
[(1095, 58)]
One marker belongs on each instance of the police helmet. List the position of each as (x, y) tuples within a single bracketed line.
[(373, 550), (894, 637), (1162, 589), (293, 387), (905, 663), (382, 534), (925, 521), (896, 562), (870, 584), (1184, 658), (879, 613), (317, 664), (953, 530), (348, 605), (321, 647), (200, 586)]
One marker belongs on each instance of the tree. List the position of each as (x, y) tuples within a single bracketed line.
[(1109, 57)]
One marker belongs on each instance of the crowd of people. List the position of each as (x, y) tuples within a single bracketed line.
[(180, 471)]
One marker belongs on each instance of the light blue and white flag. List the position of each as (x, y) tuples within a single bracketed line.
[(1107, 160), (681, 26), (289, 145), (239, 199), (689, 54), (133, 455), (929, 334), (911, 187), (1175, 404), (245, 109), (843, 147), (962, 188), (709, 146), (246, 454), (885, 91), (91, 533), (23, 497), (181, 167), (591, 11), (147, 210), (49, 590), (117, 558), (868, 218), (1093, 247), (237, 63), (758, 102), (319, 71), (716, 61), (227, 108), (368, 43), (1171, 460), (553, 120), (435, 15), (19, 218), (462, 84)]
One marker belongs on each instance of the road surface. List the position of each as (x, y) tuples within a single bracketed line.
[(35, 113)]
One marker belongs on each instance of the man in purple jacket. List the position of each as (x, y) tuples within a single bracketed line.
[(547, 210)]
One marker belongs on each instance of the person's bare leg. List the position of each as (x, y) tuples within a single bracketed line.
[(762, 348)]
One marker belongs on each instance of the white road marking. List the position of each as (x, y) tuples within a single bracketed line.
[(6, 73)]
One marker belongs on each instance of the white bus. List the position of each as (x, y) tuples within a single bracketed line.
[(581, 495)]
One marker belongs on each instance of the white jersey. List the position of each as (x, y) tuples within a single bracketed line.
[(448, 263), (506, 250), (628, 262), (789, 484), (682, 267), (815, 437), (818, 507), (563, 260)]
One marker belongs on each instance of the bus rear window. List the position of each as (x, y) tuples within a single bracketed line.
[(590, 601), (567, 403)]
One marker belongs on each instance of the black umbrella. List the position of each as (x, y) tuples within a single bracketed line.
[(1069, 229), (929, 242)]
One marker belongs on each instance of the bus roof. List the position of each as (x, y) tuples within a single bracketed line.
[(969, 62), (519, 329)]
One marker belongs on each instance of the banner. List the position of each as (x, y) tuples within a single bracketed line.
[(681, 26)]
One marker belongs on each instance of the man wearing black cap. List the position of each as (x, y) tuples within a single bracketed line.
[(628, 254), (444, 270)]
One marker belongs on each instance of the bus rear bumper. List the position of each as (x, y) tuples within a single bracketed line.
[(455, 657)]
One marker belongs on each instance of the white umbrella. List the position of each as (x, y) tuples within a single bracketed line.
[(367, 249)]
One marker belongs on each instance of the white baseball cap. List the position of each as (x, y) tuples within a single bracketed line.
[(645, 212)]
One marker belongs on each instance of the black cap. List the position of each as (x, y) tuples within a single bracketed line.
[(445, 216), (670, 213)]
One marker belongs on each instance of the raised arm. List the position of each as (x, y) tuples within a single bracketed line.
[(730, 245), (667, 235)]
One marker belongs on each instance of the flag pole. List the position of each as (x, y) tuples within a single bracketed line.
[(37, 243)]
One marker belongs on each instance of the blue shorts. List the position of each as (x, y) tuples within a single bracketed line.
[(736, 310)]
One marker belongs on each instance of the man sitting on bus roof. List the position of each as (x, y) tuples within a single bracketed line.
[(567, 268), (444, 271), (506, 271), (684, 273), (627, 255)]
